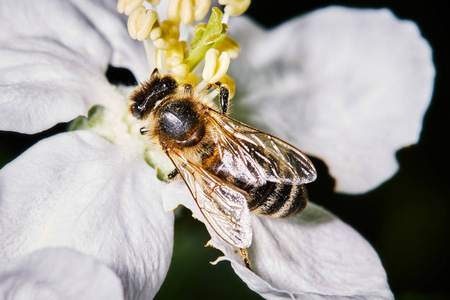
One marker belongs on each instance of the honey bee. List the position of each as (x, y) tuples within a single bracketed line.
[(231, 169)]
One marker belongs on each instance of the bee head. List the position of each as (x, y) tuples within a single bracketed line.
[(145, 97)]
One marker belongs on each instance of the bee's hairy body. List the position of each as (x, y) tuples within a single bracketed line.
[(229, 167)]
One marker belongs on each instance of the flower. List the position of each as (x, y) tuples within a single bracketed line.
[(346, 79)]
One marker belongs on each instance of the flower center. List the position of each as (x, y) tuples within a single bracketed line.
[(208, 47)]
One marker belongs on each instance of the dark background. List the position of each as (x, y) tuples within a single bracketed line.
[(405, 219)]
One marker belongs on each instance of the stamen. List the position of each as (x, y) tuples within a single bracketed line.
[(192, 79), (175, 55), (165, 44), (140, 22), (209, 49), (166, 35), (150, 52), (235, 7), (126, 6), (201, 9), (153, 2), (230, 46), (181, 71), (213, 94), (215, 66), (210, 64), (160, 61), (173, 11), (187, 10), (202, 85)]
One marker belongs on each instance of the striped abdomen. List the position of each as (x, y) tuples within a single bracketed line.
[(277, 200), (272, 199)]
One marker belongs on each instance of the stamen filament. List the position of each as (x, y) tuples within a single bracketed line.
[(202, 85), (150, 53)]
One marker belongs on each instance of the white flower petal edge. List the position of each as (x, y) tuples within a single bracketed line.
[(58, 273), (78, 190), (313, 255), (53, 59), (350, 86), (126, 52)]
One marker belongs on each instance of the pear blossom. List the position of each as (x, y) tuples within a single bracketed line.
[(348, 86)]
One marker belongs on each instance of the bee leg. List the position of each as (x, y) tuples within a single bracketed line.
[(224, 97), (171, 176), (244, 255)]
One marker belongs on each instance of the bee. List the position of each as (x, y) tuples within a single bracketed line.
[(230, 168)]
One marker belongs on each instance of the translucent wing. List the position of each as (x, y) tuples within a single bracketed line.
[(256, 157), (223, 205)]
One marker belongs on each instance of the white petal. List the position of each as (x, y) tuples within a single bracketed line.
[(58, 273), (78, 190), (349, 86), (126, 52), (53, 57), (313, 255)]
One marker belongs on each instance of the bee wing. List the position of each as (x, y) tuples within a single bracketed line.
[(223, 205), (258, 157)]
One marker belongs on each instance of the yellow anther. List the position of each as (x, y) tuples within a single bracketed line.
[(230, 46), (235, 7), (187, 11), (153, 2), (210, 64), (201, 9), (173, 11), (181, 71), (165, 44), (215, 66), (165, 36), (192, 79), (166, 29), (126, 6), (140, 22), (175, 55)]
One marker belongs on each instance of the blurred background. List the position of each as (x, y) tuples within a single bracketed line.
[(405, 219)]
